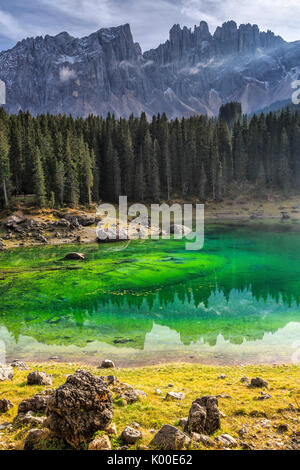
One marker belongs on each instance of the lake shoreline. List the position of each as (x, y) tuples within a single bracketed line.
[(33, 227)]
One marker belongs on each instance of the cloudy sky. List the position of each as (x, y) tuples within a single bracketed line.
[(150, 19)]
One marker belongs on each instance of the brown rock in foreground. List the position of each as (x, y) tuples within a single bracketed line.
[(39, 378), (204, 416), (170, 438), (100, 443), (79, 408)]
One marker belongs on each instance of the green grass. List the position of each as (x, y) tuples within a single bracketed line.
[(194, 381)]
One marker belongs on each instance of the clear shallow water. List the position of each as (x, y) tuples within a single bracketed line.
[(235, 301)]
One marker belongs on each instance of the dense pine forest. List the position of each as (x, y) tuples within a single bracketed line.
[(67, 161)]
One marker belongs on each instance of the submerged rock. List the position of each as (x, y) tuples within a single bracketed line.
[(79, 408), (75, 256)]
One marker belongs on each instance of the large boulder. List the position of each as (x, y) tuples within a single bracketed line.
[(5, 405), (170, 438), (6, 373), (204, 416), (38, 378), (79, 408)]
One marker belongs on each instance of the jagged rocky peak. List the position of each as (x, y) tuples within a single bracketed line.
[(193, 72), (230, 38), (199, 44)]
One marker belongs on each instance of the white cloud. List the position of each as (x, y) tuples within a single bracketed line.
[(150, 20), (280, 16), (9, 26)]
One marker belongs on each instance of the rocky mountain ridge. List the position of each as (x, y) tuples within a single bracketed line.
[(192, 72)]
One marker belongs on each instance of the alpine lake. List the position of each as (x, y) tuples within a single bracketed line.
[(148, 302)]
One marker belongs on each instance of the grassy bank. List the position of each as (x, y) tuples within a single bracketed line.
[(239, 404)]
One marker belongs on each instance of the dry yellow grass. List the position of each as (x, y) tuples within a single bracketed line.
[(261, 418)]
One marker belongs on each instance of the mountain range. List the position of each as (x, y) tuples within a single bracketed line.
[(193, 72)]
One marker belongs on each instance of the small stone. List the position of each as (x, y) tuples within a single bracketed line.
[(107, 364), (111, 380), (158, 391), (258, 383), (19, 365), (5, 405), (170, 438), (175, 396), (245, 446), (243, 431), (100, 443), (203, 439), (245, 380), (6, 373), (170, 385), (183, 422), (222, 376), (264, 396), (111, 429), (130, 435), (5, 426), (226, 440), (39, 378), (282, 428)]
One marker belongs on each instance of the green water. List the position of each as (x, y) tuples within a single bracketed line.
[(237, 300)]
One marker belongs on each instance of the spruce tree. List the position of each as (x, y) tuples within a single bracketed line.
[(38, 180)]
